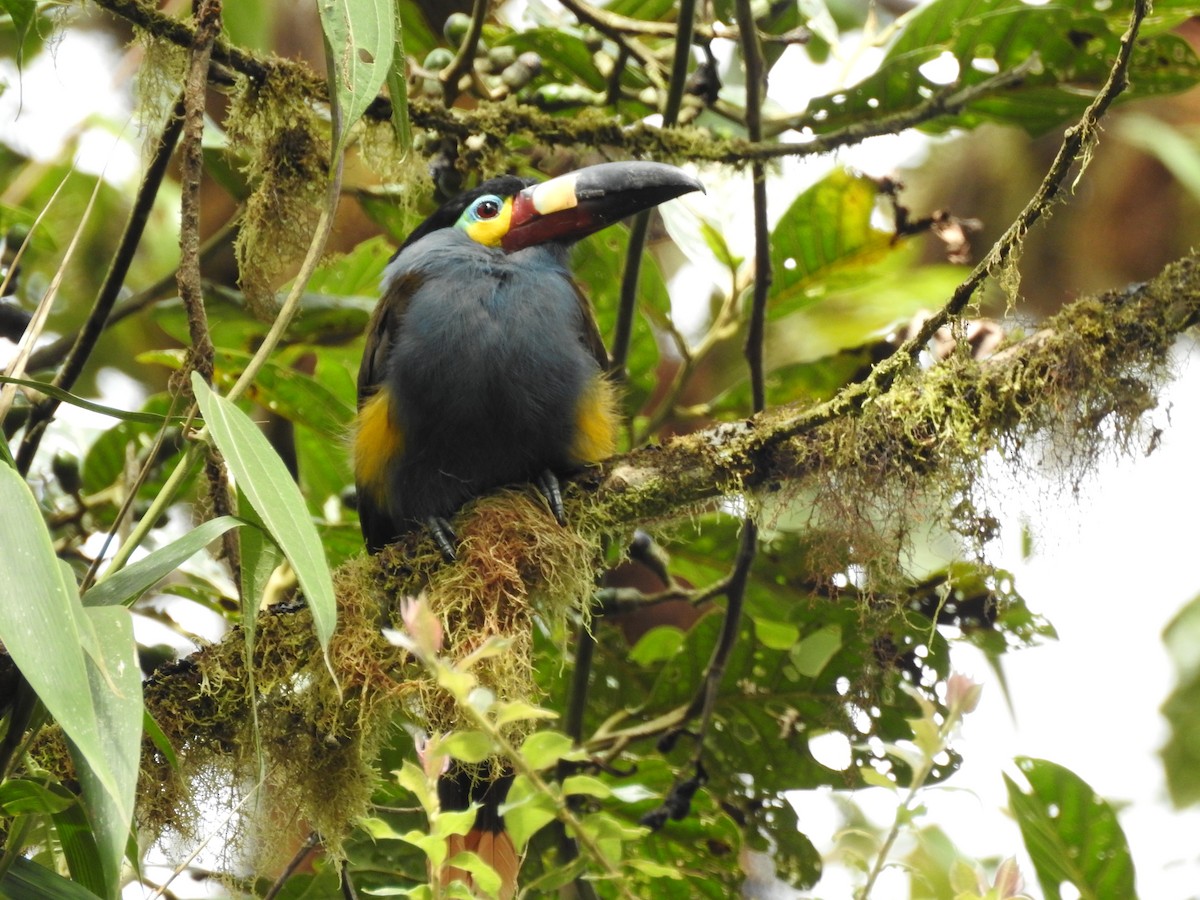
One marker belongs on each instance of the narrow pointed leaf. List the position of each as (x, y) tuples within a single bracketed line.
[(93, 690), (130, 582), (266, 483)]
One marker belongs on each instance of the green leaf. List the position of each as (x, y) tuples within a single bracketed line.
[(126, 585), (586, 785), (259, 559), (162, 744), (93, 690), (544, 748), (457, 821), (826, 232), (78, 840), (115, 681), (356, 273), (485, 877), (22, 13), (468, 746), (526, 811), (431, 845), (397, 84), (776, 635), (410, 777), (72, 400), (815, 650), (654, 869), (360, 42), (1181, 753), (261, 475), (1072, 834), (379, 829), (26, 880), (21, 796), (519, 711), (658, 644)]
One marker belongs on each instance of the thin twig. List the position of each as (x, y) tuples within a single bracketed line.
[(755, 88), (293, 864), (464, 60), (34, 430), (615, 23), (678, 800), (628, 43), (735, 594), (562, 809), (18, 365), (630, 276), (201, 353), (627, 306), (679, 62)]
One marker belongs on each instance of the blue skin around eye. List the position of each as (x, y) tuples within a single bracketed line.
[(471, 213)]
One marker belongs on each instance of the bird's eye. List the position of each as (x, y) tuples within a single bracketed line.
[(487, 207)]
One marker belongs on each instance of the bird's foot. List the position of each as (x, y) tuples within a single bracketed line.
[(547, 484), (443, 535)]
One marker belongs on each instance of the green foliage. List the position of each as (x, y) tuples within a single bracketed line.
[(93, 690), (1071, 834), (1073, 44), (1181, 753), (360, 41), (265, 482)]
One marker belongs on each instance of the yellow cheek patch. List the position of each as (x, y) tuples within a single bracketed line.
[(596, 419), (490, 232), (377, 442)]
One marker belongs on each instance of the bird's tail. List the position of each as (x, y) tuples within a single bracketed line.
[(487, 839)]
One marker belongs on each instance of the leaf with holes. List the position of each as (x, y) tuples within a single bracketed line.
[(824, 239), (1071, 833), (360, 43)]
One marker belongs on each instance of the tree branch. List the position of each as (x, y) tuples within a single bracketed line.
[(591, 128), (1098, 358)]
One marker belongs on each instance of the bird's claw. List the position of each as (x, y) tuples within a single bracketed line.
[(443, 535), (547, 485)]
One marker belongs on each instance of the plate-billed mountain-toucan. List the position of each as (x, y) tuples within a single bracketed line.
[(484, 367)]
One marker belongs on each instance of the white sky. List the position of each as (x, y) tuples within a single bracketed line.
[(1110, 569)]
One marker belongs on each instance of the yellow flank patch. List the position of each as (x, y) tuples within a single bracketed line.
[(490, 232), (596, 419), (377, 441)]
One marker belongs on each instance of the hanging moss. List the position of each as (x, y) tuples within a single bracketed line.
[(287, 150)]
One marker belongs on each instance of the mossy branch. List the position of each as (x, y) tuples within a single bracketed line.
[(1099, 359), (589, 128)]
